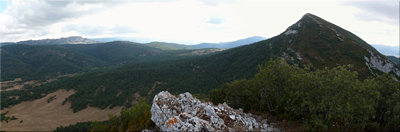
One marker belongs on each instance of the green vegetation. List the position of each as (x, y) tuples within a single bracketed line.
[(133, 119), (394, 59), (7, 118), (42, 62), (3, 116), (13, 118), (169, 46), (78, 127), (51, 98), (194, 75), (123, 52), (31, 62), (328, 99), (136, 118), (324, 44), (8, 99)]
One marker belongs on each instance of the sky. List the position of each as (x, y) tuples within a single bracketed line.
[(190, 21)]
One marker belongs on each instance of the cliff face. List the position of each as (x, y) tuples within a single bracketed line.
[(185, 113)]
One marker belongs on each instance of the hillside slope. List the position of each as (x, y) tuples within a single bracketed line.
[(40, 62), (322, 44), (124, 52)]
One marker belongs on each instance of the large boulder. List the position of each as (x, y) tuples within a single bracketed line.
[(185, 113)]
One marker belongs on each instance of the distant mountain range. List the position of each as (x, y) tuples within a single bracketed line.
[(387, 50), (221, 45), (67, 40), (227, 45)]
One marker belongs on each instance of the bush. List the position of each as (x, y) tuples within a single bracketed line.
[(328, 99), (133, 119), (392, 115)]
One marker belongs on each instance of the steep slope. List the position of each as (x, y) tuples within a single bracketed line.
[(323, 44), (227, 45), (40, 62)]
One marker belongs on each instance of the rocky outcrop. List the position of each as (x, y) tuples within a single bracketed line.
[(185, 113), (381, 64)]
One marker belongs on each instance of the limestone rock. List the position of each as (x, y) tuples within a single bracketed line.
[(185, 113)]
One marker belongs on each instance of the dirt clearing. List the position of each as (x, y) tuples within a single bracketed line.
[(38, 115)]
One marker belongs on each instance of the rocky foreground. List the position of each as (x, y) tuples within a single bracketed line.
[(185, 113)]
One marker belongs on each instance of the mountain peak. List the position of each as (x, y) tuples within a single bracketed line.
[(309, 15), (324, 44)]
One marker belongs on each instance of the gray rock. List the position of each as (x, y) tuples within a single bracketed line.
[(185, 113)]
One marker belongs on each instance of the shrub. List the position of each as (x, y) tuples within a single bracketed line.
[(392, 115), (328, 99), (133, 119)]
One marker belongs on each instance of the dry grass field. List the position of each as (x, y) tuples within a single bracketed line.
[(39, 115)]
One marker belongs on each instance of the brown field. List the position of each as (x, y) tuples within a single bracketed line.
[(34, 83), (38, 115)]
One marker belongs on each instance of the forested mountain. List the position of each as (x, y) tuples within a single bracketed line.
[(310, 40), (41, 62), (227, 45), (316, 41), (123, 52)]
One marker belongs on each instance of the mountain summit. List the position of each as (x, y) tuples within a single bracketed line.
[(323, 44)]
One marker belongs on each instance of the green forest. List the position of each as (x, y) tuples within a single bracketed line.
[(136, 118), (329, 99), (194, 74), (321, 100), (33, 62)]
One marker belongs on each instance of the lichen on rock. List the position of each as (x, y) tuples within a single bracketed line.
[(185, 113)]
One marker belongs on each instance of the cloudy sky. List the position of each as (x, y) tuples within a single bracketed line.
[(190, 21)]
